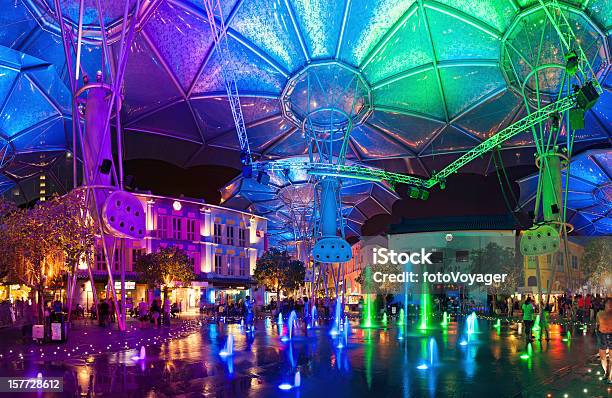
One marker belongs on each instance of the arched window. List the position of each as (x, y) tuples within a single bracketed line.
[(532, 281)]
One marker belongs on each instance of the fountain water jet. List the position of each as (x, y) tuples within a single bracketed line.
[(142, 355), (433, 352), (279, 324), (400, 320), (290, 324), (472, 325), (425, 307), (536, 324), (228, 350), (444, 319), (313, 316), (367, 316), (297, 379)]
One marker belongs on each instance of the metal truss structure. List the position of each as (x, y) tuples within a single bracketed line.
[(374, 174), (218, 29), (96, 105)]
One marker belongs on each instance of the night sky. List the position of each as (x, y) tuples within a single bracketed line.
[(465, 194)]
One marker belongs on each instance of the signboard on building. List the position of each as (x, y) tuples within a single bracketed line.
[(129, 285)]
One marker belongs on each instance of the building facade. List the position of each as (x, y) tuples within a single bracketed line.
[(566, 278), (222, 244), (458, 251)]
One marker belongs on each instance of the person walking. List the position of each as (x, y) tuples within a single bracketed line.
[(103, 313), (155, 313), (249, 314), (142, 312), (509, 304), (604, 337), (528, 316)]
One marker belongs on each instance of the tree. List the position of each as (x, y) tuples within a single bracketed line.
[(167, 267), (40, 246), (385, 288), (8, 255), (31, 234), (277, 271), (75, 233), (494, 258), (596, 262)]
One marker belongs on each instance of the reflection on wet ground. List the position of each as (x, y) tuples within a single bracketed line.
[(439, 362)]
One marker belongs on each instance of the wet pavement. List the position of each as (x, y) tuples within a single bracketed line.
[(184, 360)]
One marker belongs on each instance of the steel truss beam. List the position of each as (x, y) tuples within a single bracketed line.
[(373, 174), (219, 33)]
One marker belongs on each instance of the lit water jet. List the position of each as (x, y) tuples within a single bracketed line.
[(472, 325), (497, 324), (536, 324), (297, 379), (425, 307), (343, 342), (384, 319), (291, 322), (313, 316), (444, 322), (401, 319), (368, 313), (142, 356), (228, 350), (279, 323), (433, 352), (338, 314)]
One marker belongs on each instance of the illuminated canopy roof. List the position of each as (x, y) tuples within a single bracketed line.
[(589, 197), (435, 73), (34, 121)]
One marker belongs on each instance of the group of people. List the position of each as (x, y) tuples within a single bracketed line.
[(105, 312), (156, 313), (582, 308), (529, 317)]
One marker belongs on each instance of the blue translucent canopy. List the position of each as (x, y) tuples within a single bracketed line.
[(433, 69), (589, 194), (34, 121)]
